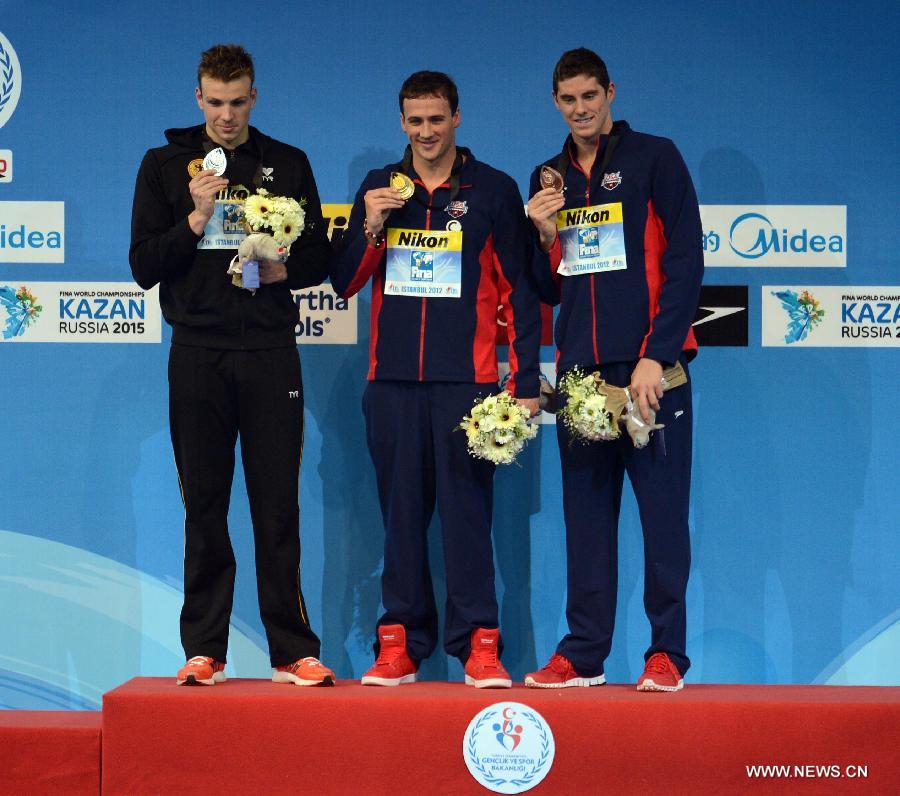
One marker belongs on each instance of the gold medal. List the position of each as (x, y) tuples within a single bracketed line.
[(551, 178), (195, 167), (402, 185)]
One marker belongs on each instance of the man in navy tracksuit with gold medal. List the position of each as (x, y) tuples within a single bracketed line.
[(620, 251), (443, 249)]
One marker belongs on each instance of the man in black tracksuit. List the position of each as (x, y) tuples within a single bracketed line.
[(440, 262), (620, 252), (234, 368)]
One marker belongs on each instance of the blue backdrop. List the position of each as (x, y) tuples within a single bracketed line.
[(795, 511)]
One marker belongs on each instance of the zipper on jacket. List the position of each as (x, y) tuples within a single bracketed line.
[(587, 200), (424, 301), (587, 196)]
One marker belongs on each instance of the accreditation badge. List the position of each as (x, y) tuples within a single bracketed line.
[(225, 228), (592, 239), (425, 263)]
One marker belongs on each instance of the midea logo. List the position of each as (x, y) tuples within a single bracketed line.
[(753, 235)]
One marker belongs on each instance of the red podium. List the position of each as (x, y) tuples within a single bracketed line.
[(49, 752), (256, 737)]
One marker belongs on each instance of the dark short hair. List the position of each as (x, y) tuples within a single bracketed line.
[(580, 62), (226, 62), (430, 84)]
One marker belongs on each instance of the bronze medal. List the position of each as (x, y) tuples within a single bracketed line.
[(402, 185), (551, 178)]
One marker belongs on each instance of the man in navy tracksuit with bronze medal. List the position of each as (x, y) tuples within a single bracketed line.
[(233, 366), (619, 249), (444, 240)]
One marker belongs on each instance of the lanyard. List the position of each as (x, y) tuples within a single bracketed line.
[(562, 163), (405, 167), (209, 145)]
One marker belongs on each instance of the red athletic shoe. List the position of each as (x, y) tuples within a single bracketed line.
[(660, 674), (393, 665), (306, 671), (201, 670), (483, 669), (559, 673)]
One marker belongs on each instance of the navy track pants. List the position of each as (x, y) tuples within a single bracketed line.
[(421, 461), (593, 475)]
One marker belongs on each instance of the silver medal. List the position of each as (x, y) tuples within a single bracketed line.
[(216, 160)]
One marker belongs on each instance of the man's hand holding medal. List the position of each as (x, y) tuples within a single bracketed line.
[(381, 201), (204, 186), (545, 204)]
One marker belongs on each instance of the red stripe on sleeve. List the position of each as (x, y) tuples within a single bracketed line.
[(690, 342), (555, 254), (367, 266), (509, 316), (654, 247), (487, 299), (374, 314)]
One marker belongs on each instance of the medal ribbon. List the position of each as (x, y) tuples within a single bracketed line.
[(209, 146), (562, 162), (405, 166)]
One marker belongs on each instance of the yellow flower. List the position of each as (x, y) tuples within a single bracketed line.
[(472, 427), (290, 229), (255, 209), (506, 416)]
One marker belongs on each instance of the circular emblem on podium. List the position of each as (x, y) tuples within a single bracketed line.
[(508, 747)]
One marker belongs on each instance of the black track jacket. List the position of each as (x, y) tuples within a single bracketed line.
[(196, 293)]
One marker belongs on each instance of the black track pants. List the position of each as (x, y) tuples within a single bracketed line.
[(214, 396)]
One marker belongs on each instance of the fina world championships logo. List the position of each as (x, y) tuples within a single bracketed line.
[(22, 310), (804, 313), (508, 747), (10, 80)]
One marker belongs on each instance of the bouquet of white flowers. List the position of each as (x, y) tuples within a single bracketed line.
[(587, 413), (274, 223), (497, 429), (595, 409), (282, 217)]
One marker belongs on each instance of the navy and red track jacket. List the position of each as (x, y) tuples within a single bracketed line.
[(451, 339), (645, 310)]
